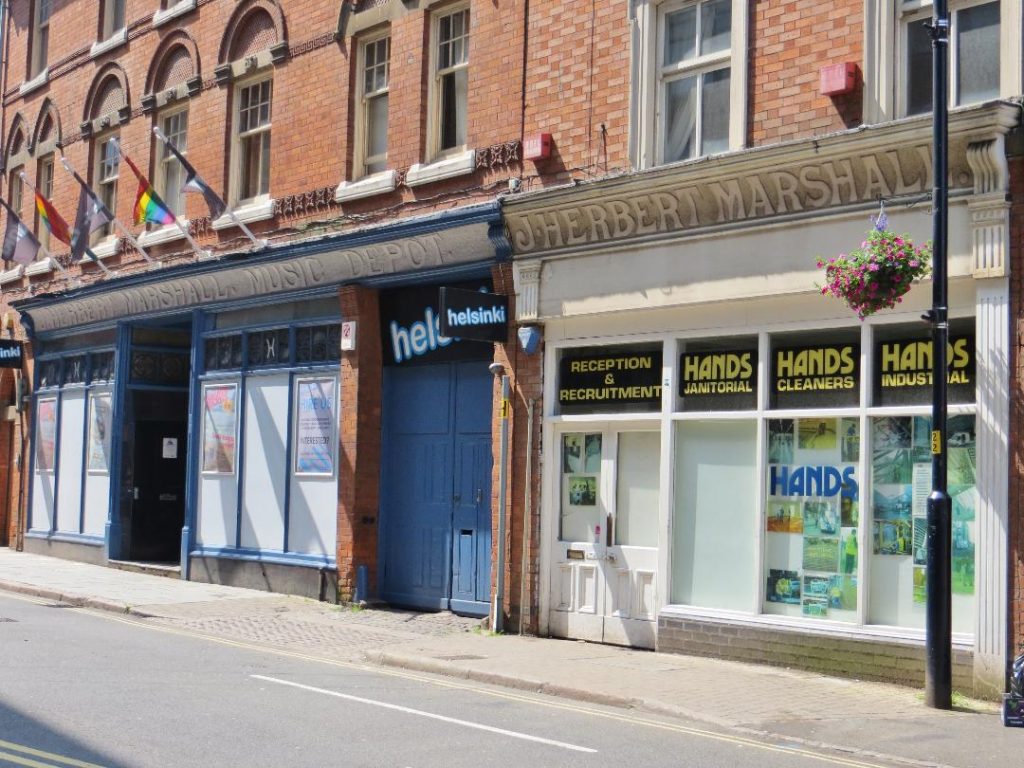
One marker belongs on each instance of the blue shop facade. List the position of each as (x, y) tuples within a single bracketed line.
[(188, 417)]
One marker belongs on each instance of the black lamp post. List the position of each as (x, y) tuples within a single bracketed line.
[(938, 637)]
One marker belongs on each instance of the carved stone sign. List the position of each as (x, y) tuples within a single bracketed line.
[(677, 200), (234, 283)]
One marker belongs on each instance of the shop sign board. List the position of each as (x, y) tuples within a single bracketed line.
[(903, 370), (816, 375), (473, 315), (10, 353), (718, 373), (613, 378)]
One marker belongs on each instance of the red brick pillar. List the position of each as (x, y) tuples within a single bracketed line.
[(1015, 513), (525, 372), (359, 438)]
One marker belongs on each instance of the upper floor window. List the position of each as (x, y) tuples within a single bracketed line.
[(40, 36), (16, 189), (108, 164), (112, 18), (170, 174), (373, 104), (44, 183), (252, 140), (974, 43), (451, 80)]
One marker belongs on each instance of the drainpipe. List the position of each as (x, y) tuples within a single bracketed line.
[(498, 620), (527, 509)]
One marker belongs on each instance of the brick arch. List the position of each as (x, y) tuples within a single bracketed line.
[(254, 26), (109, 91), (48, 127), (17, 138), (176, 59)]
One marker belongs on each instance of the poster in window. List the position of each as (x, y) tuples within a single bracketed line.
[(314, 426), (99, 434), (220, 417), (46, 418)]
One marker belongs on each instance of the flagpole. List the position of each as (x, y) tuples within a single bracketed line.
[(46, 251), (227, 210), (195, 246), (115, 221)]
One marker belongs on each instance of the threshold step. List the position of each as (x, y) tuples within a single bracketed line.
[(171, 570)]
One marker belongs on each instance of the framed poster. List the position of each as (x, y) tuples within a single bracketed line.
[(314, 426), (99, 434), (220, 427), (46, 433)]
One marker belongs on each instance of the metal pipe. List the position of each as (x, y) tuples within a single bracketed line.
[(527, 509), (938, 607), (498, 623)]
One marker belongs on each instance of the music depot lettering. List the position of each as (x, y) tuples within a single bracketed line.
[(717, 373), (909, 363), (816, 368), (813, 481), (622, 378)]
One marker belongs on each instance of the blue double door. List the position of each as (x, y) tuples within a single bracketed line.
[(436, 487)]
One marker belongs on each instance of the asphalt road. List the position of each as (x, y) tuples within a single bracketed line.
[(79, 689)]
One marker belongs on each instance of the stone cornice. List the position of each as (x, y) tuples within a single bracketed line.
[(825, 174)]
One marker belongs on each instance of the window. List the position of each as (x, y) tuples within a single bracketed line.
[(693, 74), (252, 132), (108, 163), (44, 183), (170, 174), (451, 79), (15, 189), (974, 43), (40, 37), (113, 18), (375, 70)]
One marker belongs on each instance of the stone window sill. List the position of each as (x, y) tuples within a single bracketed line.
[(103, 250), (367, 186), (445, 168), (178, 9), (36, 82), (259, 210), (41, 267), (166, 234), (12, 275)]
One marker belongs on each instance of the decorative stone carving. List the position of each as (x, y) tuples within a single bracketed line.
[(989, 208), (526, 277)]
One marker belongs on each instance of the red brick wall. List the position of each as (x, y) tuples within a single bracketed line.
[(1016, 438)]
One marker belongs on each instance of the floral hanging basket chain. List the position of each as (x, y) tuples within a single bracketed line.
[(878, 274)]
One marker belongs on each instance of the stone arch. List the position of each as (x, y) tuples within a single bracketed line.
[(17, 141), (48, 133), (175, 61), (254, 26), (108, 93)]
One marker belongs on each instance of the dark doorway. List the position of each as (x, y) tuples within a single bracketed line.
[(158, 484)]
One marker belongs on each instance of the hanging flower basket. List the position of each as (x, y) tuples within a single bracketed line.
[(876, 275)]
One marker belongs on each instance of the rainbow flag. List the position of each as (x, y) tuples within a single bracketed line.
[(53, 220), (148, 205)]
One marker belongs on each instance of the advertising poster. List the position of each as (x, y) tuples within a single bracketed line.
[(820, 518), (785, 517), (821, 553), (99, 434), (581, 471), (220, 417), (817, 434), (783, 586), (46, 418), (848, 550), (920, 584), (314, 427), (780, 441)]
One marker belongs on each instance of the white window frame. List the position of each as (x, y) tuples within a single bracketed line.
[(16, 189), (238, 136), (44, 181), (647, 92), (105, 183), (362, 128), (165, 159), (434, 123), (885, 42), (109, 26), (40, 37)]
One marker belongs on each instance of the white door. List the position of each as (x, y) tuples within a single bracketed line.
[(604, 569)]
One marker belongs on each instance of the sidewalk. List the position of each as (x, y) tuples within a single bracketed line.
[(866, 720)]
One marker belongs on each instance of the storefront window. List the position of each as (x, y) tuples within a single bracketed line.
[(637, 468), (714, 535)]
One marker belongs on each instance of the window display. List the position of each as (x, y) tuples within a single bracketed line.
[(581, 475)]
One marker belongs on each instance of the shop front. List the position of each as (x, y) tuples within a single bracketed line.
[(739, 467)]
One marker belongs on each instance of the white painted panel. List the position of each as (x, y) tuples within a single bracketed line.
[(619, 588), (97, 463), (563, 587), (217, 515), (586, 576), (42, 501), (217, 499), (313, 499), (97, 504), (265, 467), (69, 462), (645, 595)]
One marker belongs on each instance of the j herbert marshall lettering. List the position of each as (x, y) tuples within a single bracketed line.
[(717, 373), (816, 368), (610, 378), (651, 210)]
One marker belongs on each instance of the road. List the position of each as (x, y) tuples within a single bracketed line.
[(82, 689)]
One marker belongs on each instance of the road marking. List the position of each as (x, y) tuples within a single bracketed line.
[(804, 751), (18, 760), (431, 715)]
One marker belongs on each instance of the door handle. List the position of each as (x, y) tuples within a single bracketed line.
[(479, 495)]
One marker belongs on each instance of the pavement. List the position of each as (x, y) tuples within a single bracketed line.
[(869, 723)]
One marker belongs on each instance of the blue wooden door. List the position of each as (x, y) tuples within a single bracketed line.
[(435, 487)]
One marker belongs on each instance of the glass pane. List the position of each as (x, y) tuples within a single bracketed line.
[(581, 510), (919, 67), (377, 127), (977, 43), (264, 185), (714, 113), (715, 24), (680, 119), (680, 35), (715, 513), (901, 482), (453, 108), (637, 489)]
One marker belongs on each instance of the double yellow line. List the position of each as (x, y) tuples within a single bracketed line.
[(18, 754)]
